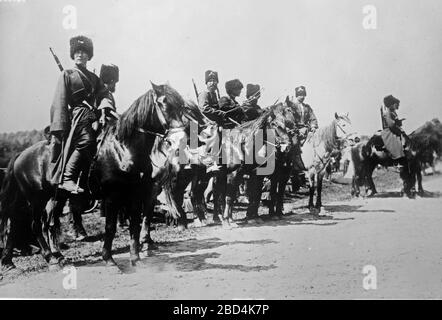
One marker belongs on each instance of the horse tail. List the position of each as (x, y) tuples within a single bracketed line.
[(9, 196)]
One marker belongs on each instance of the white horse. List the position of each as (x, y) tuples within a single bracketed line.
[(317, 152)]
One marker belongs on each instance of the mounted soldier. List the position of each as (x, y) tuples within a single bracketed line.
[(307, 124), (207, 99), (251, 108), (234, 113), (109, 75), (392, 129), (73, 113)]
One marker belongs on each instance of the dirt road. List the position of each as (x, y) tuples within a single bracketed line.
[(299, 256)]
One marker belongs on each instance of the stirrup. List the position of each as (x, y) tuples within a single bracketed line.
[(71, 187)]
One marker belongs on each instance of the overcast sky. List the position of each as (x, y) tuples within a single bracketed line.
[(279, 44)]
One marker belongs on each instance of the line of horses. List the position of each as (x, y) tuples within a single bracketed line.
[(141, 154)]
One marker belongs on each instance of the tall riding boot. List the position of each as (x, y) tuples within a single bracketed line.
[(72, 174)]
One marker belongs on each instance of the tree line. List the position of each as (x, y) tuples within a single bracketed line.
[(14, 142)]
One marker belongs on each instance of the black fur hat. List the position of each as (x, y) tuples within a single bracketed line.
[(300, 91), (390, 101), (83, 43), (252, 89), (211, 75), (109, 72), (233, 84)]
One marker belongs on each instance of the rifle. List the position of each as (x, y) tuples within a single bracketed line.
[(194, 88), (56, 59), (382, 118)]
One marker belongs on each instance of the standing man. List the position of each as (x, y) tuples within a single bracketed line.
[(307, 121), (251, 108), (73, 112)]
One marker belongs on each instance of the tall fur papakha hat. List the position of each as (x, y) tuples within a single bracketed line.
[(252, 89), (233, 84), (390, 101), (83, 43), (109, 72), (211, 75), (300, 91)]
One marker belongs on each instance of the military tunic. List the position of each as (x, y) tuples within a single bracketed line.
[(305, 112), (232, 111), (251, 110), (208, 103)]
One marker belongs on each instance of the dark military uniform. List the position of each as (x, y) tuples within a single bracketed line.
[(208, 103), (307, 119), (73, 111), (232, 111), (251, 108)]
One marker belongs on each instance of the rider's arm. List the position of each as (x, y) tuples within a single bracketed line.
[(59, 114)]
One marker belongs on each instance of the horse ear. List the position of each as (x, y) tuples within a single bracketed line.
[(156, 88), (336, 116)]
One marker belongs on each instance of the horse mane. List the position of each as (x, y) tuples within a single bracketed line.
[(134, 117), (328, 136), (427, 136)]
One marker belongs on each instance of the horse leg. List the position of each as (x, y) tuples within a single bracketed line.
[(283, 179), (232, 181), (254, 191), (134, 209), (311, 180), (38, 212), (318, 192), (111, 210), (419, 180), (7, 253), (76, 205), (53, 226), (273, 191)]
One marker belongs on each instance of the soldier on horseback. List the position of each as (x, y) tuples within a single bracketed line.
[(392, 129), (307, 124), (73, 113), (234, 113), (109, 74), (251, 108), (208, 101)]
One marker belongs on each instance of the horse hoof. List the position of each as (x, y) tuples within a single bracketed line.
[(111, 262), (134, 261), (8, 267), (226, 225), (54, 266)]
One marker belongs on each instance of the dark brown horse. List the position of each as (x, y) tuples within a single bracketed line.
[(366, 156), (258, 141), (121, 177)]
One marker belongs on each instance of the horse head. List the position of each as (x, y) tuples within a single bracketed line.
[(343, 125), (169, 105), (281, 120)]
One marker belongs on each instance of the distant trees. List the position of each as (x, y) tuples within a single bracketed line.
[(14, 142)]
